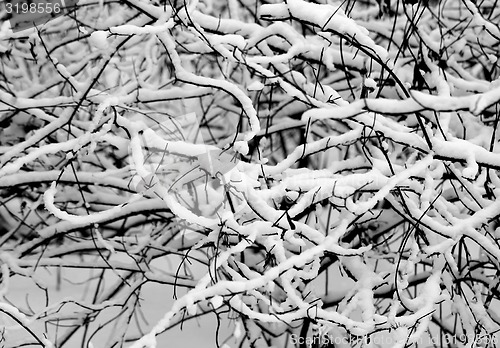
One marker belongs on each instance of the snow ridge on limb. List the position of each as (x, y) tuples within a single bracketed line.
[(325, 17)]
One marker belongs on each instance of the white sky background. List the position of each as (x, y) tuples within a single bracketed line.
[(158, 299)]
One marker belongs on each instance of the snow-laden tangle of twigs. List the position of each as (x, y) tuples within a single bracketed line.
[(342, 143)]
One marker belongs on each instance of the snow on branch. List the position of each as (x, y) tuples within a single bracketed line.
[(301, 170)]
